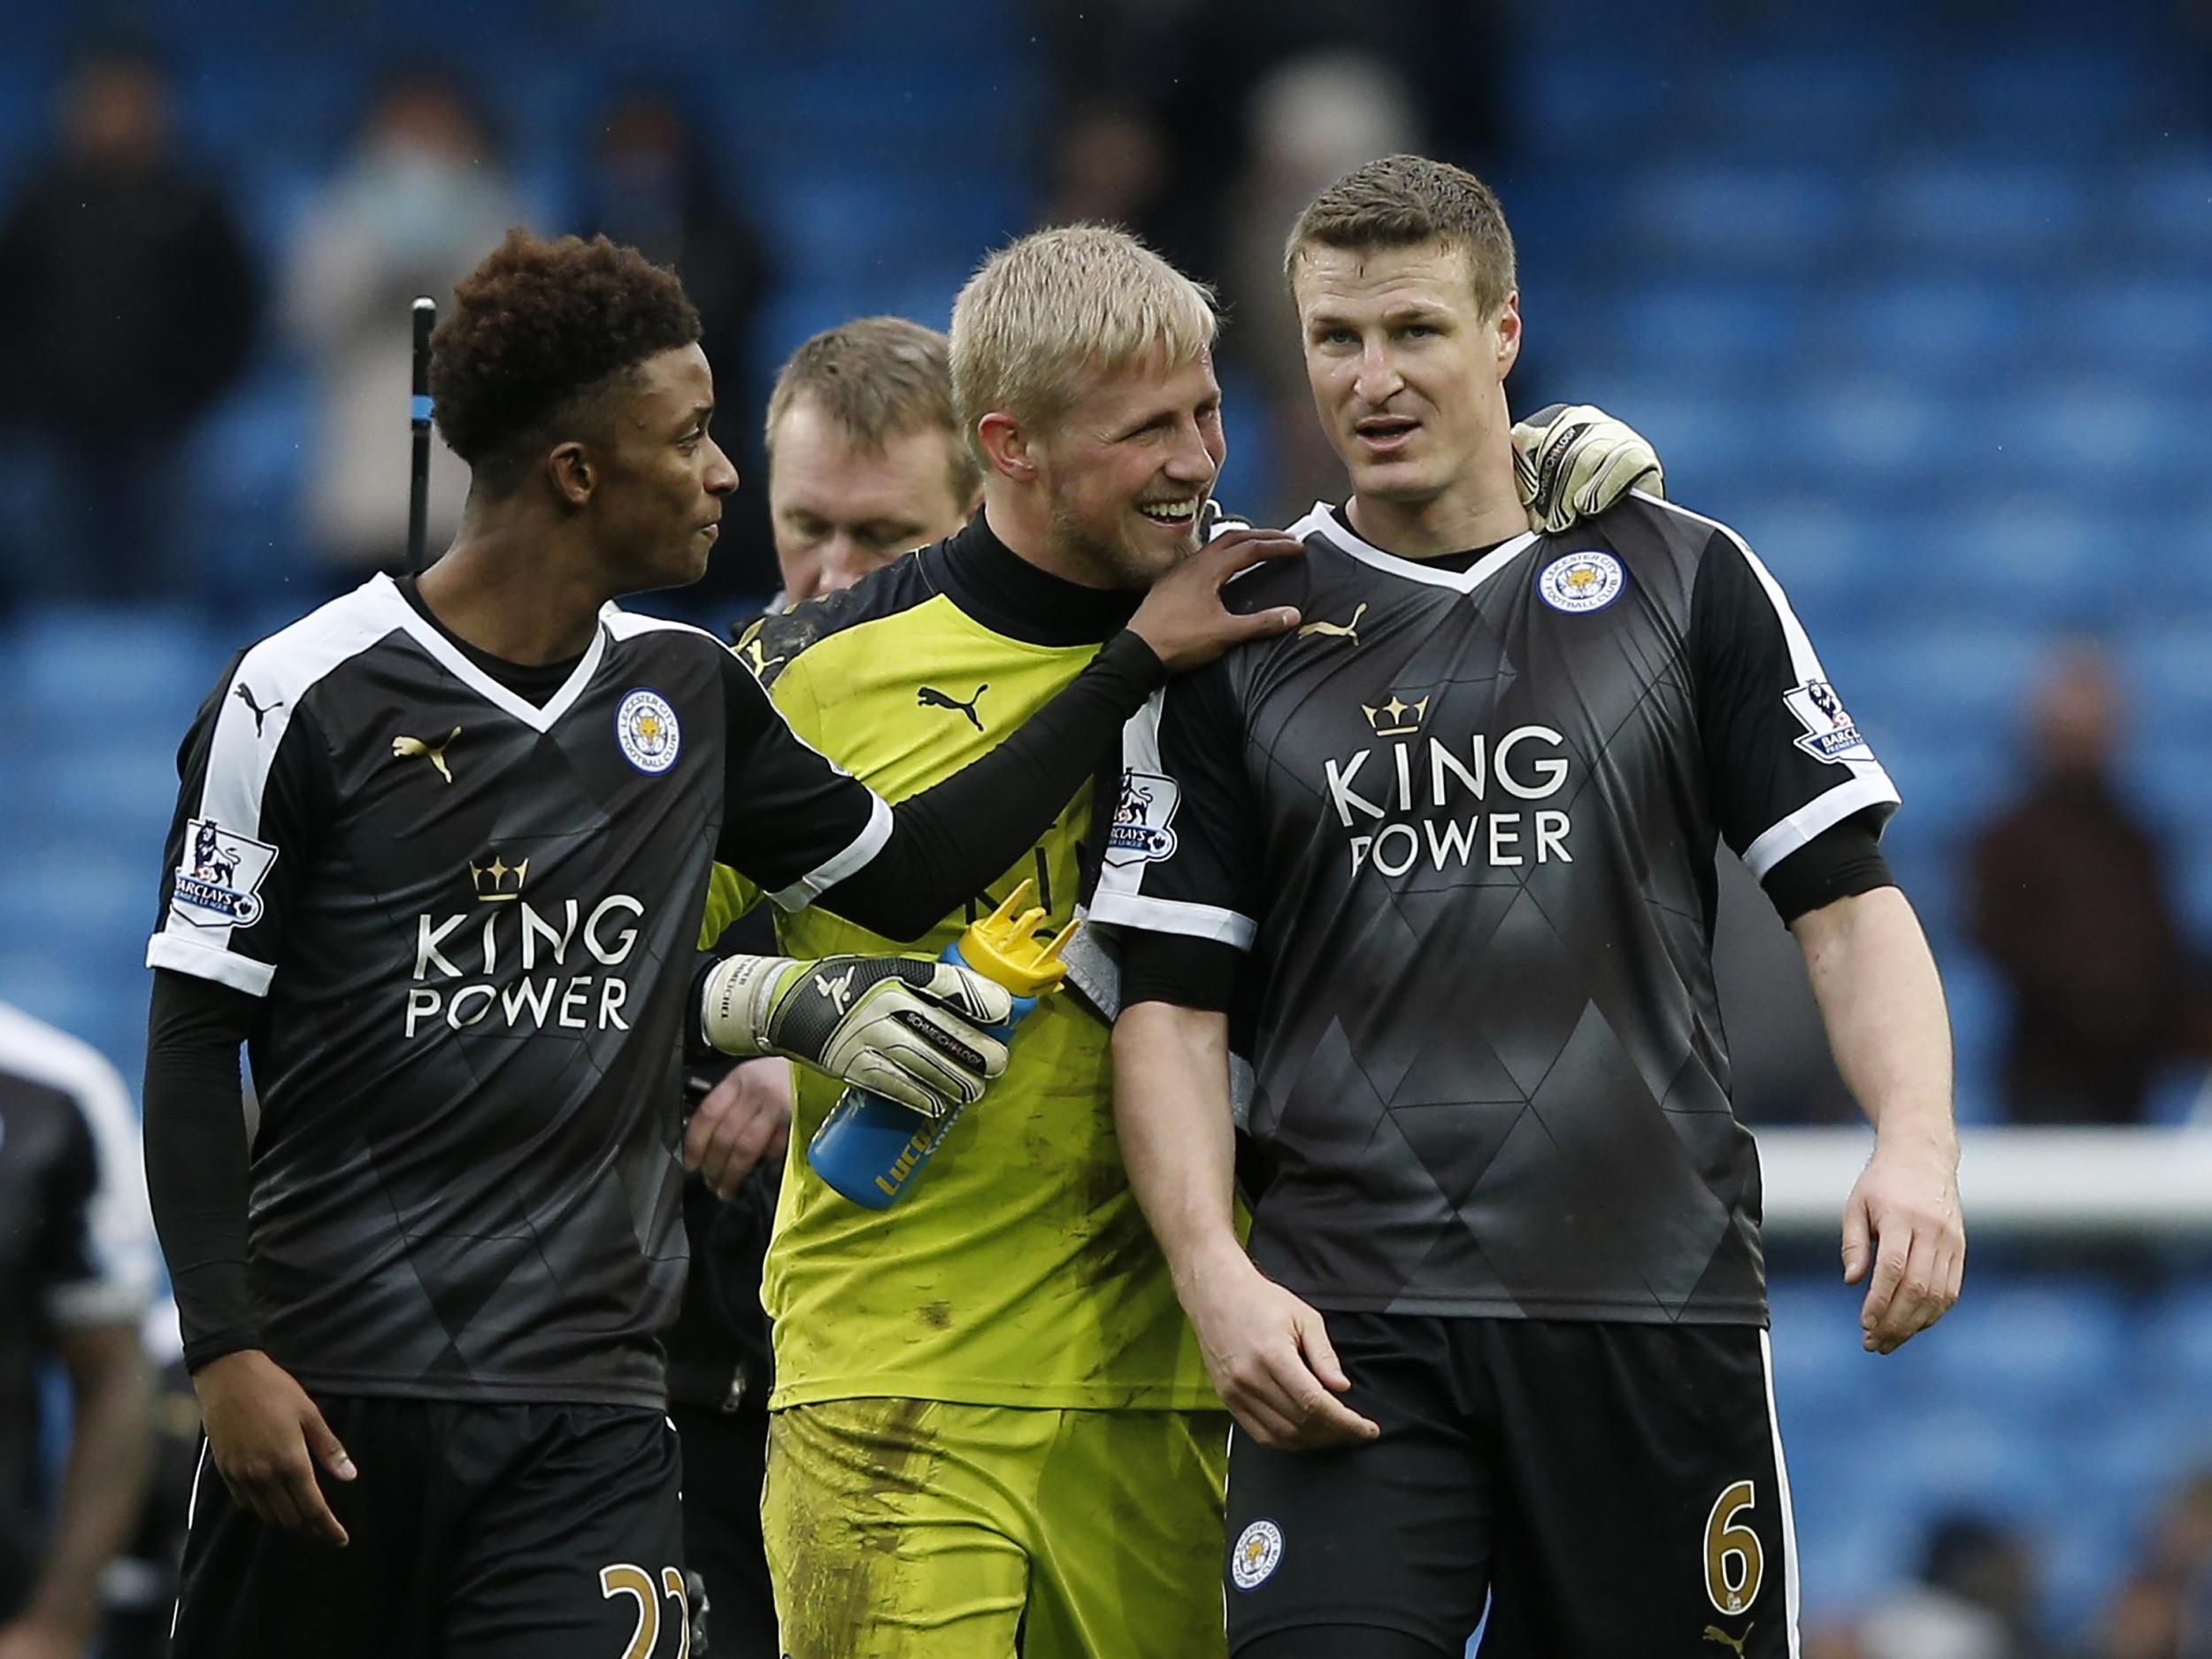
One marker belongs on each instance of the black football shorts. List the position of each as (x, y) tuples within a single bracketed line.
[(1611, 1490), (478, 1532)]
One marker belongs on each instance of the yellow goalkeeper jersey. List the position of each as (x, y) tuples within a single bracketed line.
[(1018, 1269)]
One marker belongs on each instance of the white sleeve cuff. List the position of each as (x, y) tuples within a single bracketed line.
[(1174, 916), (824, 876), (1870, 788), (202, 962)]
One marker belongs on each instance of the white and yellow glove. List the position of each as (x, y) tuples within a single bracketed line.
[(903, 1027), (1574, 460)]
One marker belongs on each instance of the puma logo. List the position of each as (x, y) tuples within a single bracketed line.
[(244, 694), (1714, 1633), (930, 697), (408, 748), (839, 990), (753, 654), (1338, 630)]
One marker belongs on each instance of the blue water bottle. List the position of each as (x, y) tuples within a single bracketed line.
[(870, 1148)]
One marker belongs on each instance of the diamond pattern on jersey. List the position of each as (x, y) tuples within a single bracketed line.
[(1475, 849)]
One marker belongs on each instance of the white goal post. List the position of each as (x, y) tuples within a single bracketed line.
[(2147, 1185)]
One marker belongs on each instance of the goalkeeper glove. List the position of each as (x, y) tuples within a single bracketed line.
[(1573, 460), (903, 1027)]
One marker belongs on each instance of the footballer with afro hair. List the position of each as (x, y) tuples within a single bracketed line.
[(570, 377), (539, 331)]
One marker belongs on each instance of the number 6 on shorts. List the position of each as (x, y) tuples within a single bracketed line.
[(1731, 1593)]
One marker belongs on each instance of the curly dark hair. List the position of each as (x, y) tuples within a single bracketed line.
[(536, 327)]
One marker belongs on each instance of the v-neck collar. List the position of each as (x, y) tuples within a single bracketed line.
[(1322, 520), (455, 662)]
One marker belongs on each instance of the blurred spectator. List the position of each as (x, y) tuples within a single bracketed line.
[(1309, 121), (127, 303), (421, 201), (76, 1267), (1109, 167), (1976, 1599), (2165, 1611), (651, 183), (2070, 899)]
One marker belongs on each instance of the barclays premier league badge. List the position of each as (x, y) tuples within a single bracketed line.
[(646, 727), (1140, 834), (219, 879), (1259, 1551), (1582, 581), (1830, 734)]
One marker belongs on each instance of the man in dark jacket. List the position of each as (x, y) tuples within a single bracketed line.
[(2072, 901), (127, 303)]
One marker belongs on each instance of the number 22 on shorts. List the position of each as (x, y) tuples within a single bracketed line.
[(622, 1579)]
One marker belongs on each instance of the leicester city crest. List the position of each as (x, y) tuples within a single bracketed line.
[(1582, 581), (219, 879), (1259, 1551), (646, 727)]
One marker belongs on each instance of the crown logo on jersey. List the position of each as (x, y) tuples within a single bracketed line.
[(1404, 717), (493, 886)]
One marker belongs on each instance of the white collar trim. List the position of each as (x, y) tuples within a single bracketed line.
[(455, 662), (1324, 522)]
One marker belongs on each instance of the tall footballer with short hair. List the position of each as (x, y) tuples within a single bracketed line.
[(991, 1431), (440, 857), (1445, 854)]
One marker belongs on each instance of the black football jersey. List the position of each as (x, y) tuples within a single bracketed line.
[(76, 1250), (471, 919), (1464, 824)]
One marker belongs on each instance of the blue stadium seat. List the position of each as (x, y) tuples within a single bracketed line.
[(1832, 104), (2160, 327), (1820, 1371), (2032, 562), (1690, 328), (1982, 213), (1962, 684), (1699, 437), (2168, 210), (81, 665), (1871, 433), (2062, 102), (1733, 218), (1576, 106), (2045, 1344), (2162, 658), (246, 461), (2178, 1341), (2090, 434), (1925, 323)]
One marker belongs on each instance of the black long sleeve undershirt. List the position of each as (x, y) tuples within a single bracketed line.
[(195, 1158), (952, 840)]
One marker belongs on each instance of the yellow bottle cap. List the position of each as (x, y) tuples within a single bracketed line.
[(1003, 946)]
